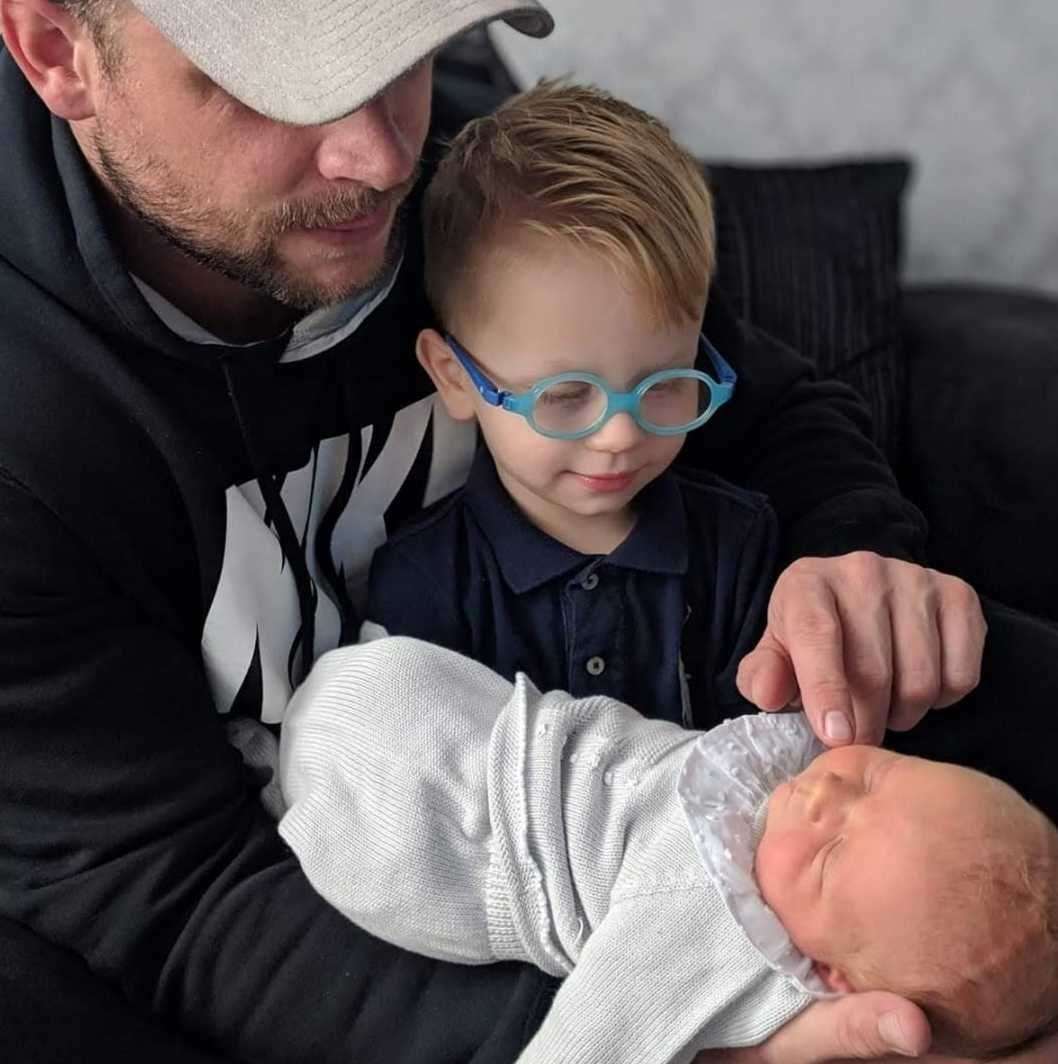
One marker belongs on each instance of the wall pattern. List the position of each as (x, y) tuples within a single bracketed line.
[(968, 88)]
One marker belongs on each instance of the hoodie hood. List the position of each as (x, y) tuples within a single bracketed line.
[(55, 232)]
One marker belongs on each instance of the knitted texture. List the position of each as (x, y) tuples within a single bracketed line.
[(455, 814)]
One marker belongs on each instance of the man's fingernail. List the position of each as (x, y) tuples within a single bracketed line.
[(836, 727), (890, 1027)]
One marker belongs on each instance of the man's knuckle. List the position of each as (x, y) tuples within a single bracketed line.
[(864, 566), (962, 679), (871, 674), (918, 682), (915, 696), (817, 626), (827, 687), (956, 594)]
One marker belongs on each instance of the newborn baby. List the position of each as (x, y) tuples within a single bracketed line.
[(927, 879), (625, 854)]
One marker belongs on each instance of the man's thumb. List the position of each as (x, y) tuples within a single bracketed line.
[(871, 1025), (766, 675)]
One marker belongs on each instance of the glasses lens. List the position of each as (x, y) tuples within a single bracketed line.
[(569, 407), (675, 402)]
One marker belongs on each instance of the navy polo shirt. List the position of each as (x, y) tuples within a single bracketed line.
[(660, 623)]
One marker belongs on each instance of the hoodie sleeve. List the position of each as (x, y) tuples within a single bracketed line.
[(805, 443), (131, 833)]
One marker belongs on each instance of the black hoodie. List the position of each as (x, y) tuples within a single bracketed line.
[(164, 506)]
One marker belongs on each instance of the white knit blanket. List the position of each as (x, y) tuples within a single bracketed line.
[(460, 816)]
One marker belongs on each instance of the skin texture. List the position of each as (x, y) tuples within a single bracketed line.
[(227, 160), (557, 308)]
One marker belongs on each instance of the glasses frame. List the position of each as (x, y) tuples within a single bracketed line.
[(720, 388)]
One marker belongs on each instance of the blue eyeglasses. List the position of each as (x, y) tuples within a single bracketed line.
[(570, 406)]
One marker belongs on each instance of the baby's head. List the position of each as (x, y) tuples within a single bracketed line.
[(568, 233), (930, 880)]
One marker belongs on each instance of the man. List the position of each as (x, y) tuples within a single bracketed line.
[(210, 419)]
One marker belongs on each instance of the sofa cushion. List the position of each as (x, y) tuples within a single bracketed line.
[(811, 254), (982, 437)]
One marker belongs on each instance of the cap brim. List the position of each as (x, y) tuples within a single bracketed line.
[(313, 61)]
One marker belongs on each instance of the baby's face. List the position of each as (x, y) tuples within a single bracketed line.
[(850, 853), (544, 307)]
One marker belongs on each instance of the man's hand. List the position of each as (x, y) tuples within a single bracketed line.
[(868, 1026), (864, 643)]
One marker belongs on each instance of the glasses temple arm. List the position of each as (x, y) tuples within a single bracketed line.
[(725, 371), (486, 389)]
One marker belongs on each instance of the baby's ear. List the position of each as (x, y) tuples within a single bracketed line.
[(833, 978), (448, 376)]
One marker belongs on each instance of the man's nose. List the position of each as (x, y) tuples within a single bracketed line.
[(368, 147), (620, 433)]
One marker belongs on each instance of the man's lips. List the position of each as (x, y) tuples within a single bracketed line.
[(365, 221), (361, 227)]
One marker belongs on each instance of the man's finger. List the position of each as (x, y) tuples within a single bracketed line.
[(916, 659), (766, 675), (962, 631), (809, 627)]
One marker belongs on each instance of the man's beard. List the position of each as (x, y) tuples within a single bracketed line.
[(244, 246)]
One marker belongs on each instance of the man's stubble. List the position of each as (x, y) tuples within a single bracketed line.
[(243, 246)]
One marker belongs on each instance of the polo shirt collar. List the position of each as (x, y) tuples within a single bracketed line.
[(529, 558)]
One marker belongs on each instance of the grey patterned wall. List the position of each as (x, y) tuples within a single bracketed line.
[(968, 87)]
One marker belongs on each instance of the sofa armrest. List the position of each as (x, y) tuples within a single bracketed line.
[(981, 436)]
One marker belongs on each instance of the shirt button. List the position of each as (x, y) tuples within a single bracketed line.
[(590, 582), (596, 666)]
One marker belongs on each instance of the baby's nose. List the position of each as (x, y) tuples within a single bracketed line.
[(826, 793)]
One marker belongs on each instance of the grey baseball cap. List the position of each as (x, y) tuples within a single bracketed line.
[(312, 61)]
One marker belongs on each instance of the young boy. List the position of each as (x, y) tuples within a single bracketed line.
[(651, 865), (569, 249)]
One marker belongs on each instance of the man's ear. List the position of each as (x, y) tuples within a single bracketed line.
[(55, 53), (833, 978), (448, 376)]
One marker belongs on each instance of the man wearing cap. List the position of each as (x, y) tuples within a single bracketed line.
[(210, 417)]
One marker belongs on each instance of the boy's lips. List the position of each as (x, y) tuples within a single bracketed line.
[(603, 482)]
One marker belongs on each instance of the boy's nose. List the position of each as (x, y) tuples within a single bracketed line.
[(620, 433)]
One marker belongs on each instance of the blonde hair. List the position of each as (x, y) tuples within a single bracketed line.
[(574, 163)]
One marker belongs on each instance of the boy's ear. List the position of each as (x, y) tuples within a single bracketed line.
[(833, 978), (448, 376)]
